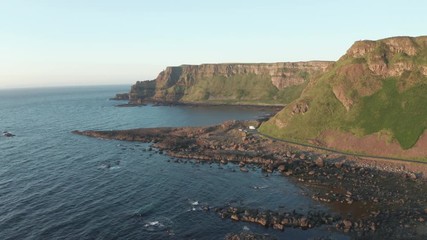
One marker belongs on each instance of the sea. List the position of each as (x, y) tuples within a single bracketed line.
[(57, 185)]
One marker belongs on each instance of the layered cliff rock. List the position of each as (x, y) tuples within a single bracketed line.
[(275, 83), (378, 88)]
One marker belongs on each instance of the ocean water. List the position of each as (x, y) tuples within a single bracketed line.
[(56, 185)]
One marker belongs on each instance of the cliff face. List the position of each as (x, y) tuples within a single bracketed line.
[(391, 57), (142, 90), (377, 87), (239, 83), (367, 63)]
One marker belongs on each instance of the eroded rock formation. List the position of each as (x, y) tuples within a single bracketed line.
[(184, 83)]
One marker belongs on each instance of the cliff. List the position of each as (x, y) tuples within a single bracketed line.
[(275, 83), (372, 100)]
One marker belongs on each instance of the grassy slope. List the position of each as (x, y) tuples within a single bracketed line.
[(403, 113), (325, 112), (242, 89)]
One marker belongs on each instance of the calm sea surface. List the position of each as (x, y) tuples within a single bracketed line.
[(56, 185)]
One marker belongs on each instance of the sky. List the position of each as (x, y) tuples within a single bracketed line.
[(91, 42)]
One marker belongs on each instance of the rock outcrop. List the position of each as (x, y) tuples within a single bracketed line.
[(390, 57), (227, 83), (8, 134), (142, 90), (121, 96)]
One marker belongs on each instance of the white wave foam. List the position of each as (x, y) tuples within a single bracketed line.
[(154, 224), (260, 187), (158, 224)]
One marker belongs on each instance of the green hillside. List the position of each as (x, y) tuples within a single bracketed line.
[(378, 86), (249, 88)]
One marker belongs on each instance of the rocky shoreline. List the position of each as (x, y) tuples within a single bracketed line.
[(371, 200)]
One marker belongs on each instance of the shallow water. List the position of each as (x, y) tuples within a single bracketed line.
[(56, 185)]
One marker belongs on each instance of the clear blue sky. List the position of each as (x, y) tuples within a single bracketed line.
[(81, 42)]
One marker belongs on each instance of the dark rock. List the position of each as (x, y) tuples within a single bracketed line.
[(285, 221), (349, 200), (347, 224), (224, 214), (300, 107), (235, 210), (303, 222), (251, 212), (278, 226), (320, 162), (262, 221), (235, 217), (411, 175), (338, 165), (373, 227), (121, 96), (8, 134), (281, 168)]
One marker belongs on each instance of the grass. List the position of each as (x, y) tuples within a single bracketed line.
[(249, 89), (394, 108), (401, 113), (325, 112), (291, 93), (404, 114)]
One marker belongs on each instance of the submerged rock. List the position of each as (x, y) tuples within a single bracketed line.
[(8, 134)]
